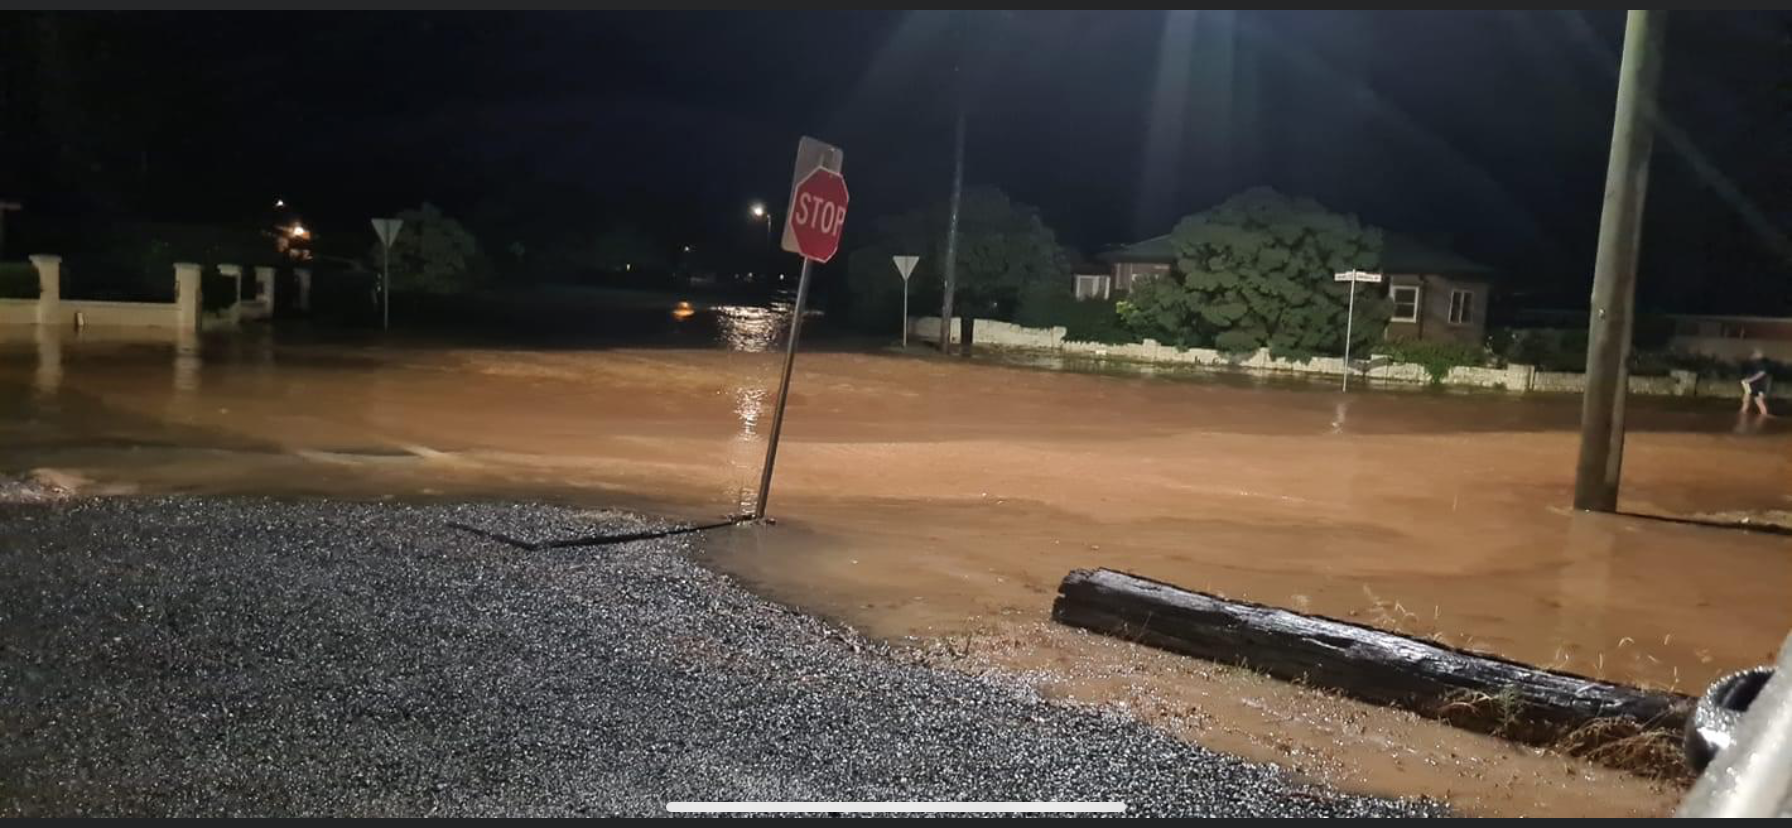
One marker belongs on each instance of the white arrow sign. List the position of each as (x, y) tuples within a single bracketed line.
[(905, 265)]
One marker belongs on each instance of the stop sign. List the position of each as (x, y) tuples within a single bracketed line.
[(817, 214)]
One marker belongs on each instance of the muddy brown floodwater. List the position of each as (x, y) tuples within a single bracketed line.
[(939, 502)]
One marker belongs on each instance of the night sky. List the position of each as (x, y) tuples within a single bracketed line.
[(1490, 128)]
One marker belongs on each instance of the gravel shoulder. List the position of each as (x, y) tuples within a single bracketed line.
[(217, 656)]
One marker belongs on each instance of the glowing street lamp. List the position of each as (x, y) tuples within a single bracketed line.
[(759, 211)]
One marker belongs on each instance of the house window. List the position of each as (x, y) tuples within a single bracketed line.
[(1406, 303), (1092, 286), (1462, 307), (1132, 275)]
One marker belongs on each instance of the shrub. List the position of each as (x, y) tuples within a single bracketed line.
[(1548, 349), (1565, 349), (18, 280), (1660, 362), (1437, 358), (1653, 363), (1084, 320)]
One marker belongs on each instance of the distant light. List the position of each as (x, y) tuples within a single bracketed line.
[(758, 210), (279, 202), (628, 266), (687, 248), (298, 231)]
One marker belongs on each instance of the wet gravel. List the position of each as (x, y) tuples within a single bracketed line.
[(243, 657)]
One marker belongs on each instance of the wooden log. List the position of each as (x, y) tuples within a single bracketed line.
[(1466, 688)]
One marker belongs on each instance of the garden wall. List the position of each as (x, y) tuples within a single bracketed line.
[(1518, 378)]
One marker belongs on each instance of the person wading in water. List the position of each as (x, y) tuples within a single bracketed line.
[(1755, 382)]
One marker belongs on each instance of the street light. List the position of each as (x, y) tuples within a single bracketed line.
[(759, 211)]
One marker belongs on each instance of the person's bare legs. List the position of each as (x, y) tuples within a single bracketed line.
[(1761, 404)]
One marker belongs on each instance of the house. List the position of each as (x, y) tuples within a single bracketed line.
[(1437, 294), (1731, 337)]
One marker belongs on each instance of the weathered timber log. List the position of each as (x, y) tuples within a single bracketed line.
[(1466, 688)]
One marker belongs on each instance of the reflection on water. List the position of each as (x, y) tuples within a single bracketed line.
[(188, 357), (747, 404), (745, 449), (48, 379), (750, 329), (755, 330)]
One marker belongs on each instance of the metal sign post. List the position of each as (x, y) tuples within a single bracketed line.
[(387, 229), (905, 265), (812, 225), (1352, 276)]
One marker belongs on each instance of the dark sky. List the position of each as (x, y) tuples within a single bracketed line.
[(1488, 127)]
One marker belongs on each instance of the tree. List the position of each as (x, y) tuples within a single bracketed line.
[(432, 254), (1256, 271), (1003, 248)]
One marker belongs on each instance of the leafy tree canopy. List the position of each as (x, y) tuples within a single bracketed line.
[(432, 254), (1003, 248), (1256, 271)]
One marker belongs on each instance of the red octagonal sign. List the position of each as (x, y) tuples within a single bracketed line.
[(817, 214)]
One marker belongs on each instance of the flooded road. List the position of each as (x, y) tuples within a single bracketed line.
[(944, 500)]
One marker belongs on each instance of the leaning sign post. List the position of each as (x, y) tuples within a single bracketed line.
[(1352, 276), (812, 225), (905, 265)]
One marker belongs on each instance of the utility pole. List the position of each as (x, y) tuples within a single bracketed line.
[(1614, 270), (951, 263)]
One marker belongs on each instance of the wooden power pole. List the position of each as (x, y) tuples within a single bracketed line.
[(950, 287), (1614, 270)]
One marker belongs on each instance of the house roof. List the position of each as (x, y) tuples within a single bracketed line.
[(1154, 249), (1400, 253)]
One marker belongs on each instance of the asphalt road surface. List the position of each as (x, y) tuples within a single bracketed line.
[(260, 657)]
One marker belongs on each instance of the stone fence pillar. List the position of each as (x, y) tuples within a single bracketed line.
[(186, 295)]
